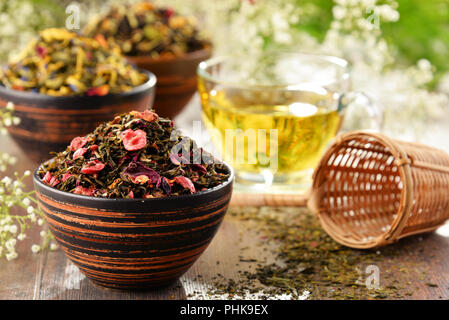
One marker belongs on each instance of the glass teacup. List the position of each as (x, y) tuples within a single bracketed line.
[(272, 119)]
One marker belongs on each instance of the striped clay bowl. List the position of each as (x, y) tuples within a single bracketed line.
[(134, 243), (49, 123), (176, 79)]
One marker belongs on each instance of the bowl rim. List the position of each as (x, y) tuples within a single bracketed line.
[(203, 53), (150, 83), (78, 197)]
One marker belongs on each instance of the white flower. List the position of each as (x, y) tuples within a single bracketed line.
[(21, 236), (26, 201), (19, 191), (30, 210), (10, 106), (13, 229), (40, 222), (35, 248), (16, 121), (6, 181), (43, 234), (32, 217), (27, 173), (7, 122), (10, 245), (338, 12), (11, 255), (53, 246)]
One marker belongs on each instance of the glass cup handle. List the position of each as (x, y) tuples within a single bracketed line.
[(359, 112)]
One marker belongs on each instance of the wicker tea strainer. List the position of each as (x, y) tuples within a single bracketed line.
[(370, 190)]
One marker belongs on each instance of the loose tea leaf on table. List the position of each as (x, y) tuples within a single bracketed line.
[(136, 155), (292, 257), (61, 63), (144, 29)]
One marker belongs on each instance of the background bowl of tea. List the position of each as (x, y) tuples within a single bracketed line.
[(176, 79), (272, 117), (134, 243), (49, 123)]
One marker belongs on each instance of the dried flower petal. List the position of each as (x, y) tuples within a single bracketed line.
[(93, 166), (84, 191), (147, 115), (77, 143), (136, 170), (79, 153), (50, 180), (98, 91), (186, 183), (134, 139)]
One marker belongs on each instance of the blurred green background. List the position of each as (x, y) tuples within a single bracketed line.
[(421, 32)]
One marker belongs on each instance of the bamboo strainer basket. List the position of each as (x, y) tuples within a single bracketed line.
[(370, 190)]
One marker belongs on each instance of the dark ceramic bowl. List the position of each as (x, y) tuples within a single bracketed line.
[(176, 79), (134, 243), (49, 123)]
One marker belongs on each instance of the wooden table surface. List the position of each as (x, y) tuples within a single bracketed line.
[(50, 275)]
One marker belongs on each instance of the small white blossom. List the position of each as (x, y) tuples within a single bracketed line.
[(30, 209), (21, 236), (27, 173), (10, 106), (40, 222), (43, 234), (11, 256), (32, 217), (53, 246), (13, 229), (35, 248), (6, 181), (26, 201)]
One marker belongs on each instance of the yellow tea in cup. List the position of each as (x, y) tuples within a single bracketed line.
[(273, 124)]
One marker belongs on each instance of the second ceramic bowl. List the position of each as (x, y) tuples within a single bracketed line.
[(49, 123), (176, 79), (134, 243)]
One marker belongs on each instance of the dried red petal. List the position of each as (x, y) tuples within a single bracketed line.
[(79, 153), (77, 143), (136, 170), (85, 191), (93, 147), (41, 51), (177, 159), (66, 176), (93, 167), (147, 115), (169, 12), (134, 139), (186, 183), (98, 91), (198, 167), (50, 180), (131, 195)]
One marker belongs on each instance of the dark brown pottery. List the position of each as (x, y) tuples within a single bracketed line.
[(134, 243), (49, 123), (176, 79)]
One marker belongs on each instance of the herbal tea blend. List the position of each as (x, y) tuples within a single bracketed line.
[(137, 155), (143, 29), (62, 63)]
